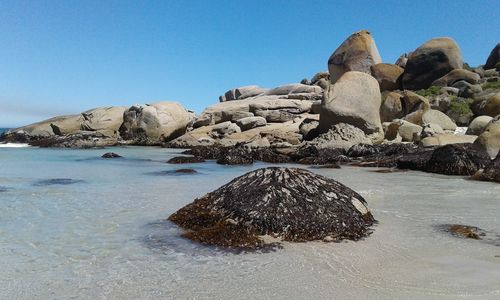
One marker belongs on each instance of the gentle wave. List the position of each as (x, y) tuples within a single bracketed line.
[(14, 145)]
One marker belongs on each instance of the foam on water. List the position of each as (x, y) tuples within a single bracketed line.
[(14, 145), (106, 237)]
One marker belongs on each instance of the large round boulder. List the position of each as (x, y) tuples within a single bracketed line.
[(388, 76), (357, 53), (354, 99), (491, 107), (284, 203), (489, 140), (155, 123), (431, 61), (493, 58)]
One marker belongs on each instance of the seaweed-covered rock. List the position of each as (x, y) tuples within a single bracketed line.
[(360, 150), (185, 160), (491, 172), (464, 231), (206, 152), (235, 156), (415, 161), (285, 203), (269, 156), (457, 159)]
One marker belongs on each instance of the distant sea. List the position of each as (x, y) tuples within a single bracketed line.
[(2, 130)]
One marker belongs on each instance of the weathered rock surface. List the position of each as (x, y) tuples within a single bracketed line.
[(152, 124), (287, 204), (342, 136), (357, 53), (242, 93), (354, 99), (388, 76), (251, 122), (431, 61)]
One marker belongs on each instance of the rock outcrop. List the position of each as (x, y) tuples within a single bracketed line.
[(431, 61), (286, 204), (357, 53), (152, 124)]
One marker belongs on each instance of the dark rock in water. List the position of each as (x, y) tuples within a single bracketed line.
[(3, 189), (185, 160), (57, 181), (82, 139), (282, 203), (464, 231), (269, 156), (111, 155), (186, 171), (310, 155), (235, 156), (385, 155), (457, 159), (491, 172), (206, 152), (387, 170), (416, 160), (360, 150), (329, 166), (178, 172)]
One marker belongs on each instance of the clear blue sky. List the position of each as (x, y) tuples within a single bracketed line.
[(59, 57)]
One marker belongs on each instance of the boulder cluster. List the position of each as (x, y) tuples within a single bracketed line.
[(429, 98)]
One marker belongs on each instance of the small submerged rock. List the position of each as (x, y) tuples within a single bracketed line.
[(174, 172), (57, 181), (111, 155), (4, 189), (287, 204), (185, 160), (465, 231)]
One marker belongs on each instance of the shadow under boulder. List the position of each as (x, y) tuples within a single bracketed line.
[(265, 206)]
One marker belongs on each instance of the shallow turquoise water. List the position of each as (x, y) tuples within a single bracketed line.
[(103, 235)]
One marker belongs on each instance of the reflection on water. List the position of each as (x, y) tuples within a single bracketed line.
[(101, 238)]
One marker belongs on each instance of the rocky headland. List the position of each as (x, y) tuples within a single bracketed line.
[(361, 111)]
